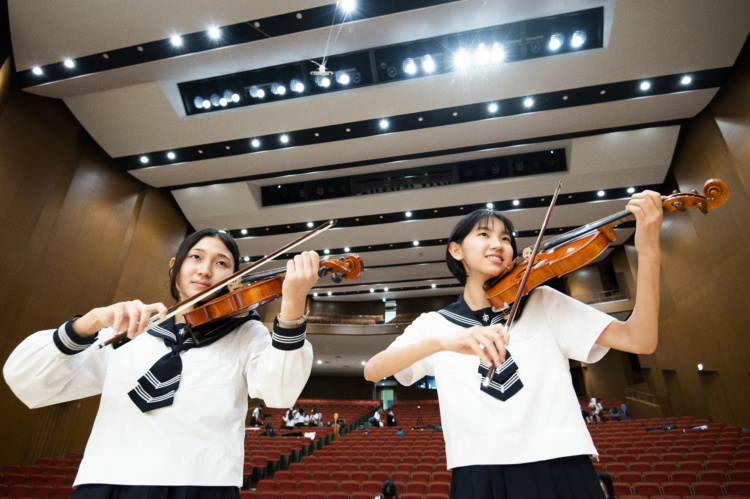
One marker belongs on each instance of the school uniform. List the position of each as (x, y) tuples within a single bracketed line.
[(197, 441), (534, 420)]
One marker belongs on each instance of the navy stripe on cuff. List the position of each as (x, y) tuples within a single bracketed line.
[(69, 342), (288, 339)]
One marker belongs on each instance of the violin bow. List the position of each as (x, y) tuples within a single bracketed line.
[(189, 302), (514, 308)]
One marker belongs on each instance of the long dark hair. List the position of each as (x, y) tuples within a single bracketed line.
[(389, 490), (607, 481), (187, 245), (464, 227)]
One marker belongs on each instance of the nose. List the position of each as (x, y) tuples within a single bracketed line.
[(205, 268)]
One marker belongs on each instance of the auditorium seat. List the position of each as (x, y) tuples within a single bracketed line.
[(629, 477), (439, 488), (58, 480), (676, 488), (286, 485), (314, 495), (646, 489), (639, 467), (306, 486), (684, 476), (707, 489), (718, 465), (265, 486), (737, 488), (690, 466), (328, 486), (712, 476), (268, 495), (19, 490), (63, 492), (621, 489), (656, 476)]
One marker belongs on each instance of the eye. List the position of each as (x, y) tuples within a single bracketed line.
[(223, 263), (483, 234), (195, 257)]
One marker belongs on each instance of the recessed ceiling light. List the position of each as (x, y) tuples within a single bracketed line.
[(363, 362), (320, 362), (415, 243), (330, 293), (631, 190), (214, 33), (434, 285), (528, 102), (171, 155), (385, 289), (516, 202), (383, 124), (36, 70), (492, 108), (309, 224), (326, 251), (428, 64), (315, 294), (284, 139), (347, 250), (372, 290), (348, 5), (686, 80), (579, 37), (555, 42), (490, 206), (255, 143), (243, 231), (69, 63), (408, 214), (600, 194), (176, 40), (645, 85), (144, 159)]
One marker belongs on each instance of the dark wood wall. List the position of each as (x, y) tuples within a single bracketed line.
[(77, 233)]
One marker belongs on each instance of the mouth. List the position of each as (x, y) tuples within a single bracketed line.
[(201, 285), (496, 259)]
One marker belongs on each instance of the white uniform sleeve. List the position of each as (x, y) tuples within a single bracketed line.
[(576, 326), (57, 365), (278, 366), (415, 333)]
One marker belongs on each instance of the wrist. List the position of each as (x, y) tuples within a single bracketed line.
[(295, 322)]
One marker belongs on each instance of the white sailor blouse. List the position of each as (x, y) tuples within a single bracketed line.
[(539, 418), (199, 439)]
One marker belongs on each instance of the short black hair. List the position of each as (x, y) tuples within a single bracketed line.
[(464, 227), (388, 489), (604, 477), (188, 244)]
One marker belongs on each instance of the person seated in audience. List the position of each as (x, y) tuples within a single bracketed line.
[(586, 415), (388, 490), (614, 414), (375, 420), (255, 419), (595, 409), (606, 482), (301, 419), (315, 418), (390, 418), (289, 419)]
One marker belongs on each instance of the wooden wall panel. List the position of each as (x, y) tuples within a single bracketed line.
[(78, 233), (706, 267)]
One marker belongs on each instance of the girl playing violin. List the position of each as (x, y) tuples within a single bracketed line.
[(178, 429), (519, 451)]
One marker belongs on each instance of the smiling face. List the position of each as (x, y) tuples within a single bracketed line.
[(207, 262), (485, 252)]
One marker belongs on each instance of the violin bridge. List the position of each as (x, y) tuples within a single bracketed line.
[(234, 284)]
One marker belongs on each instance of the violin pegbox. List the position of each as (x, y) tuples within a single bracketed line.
[(715, 194), (347, 267)]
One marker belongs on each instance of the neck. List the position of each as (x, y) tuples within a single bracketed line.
[(474, 295)]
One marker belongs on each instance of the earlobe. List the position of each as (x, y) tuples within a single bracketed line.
[(171, 263)]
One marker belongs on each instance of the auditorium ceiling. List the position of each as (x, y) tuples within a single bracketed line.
[(395, 117)]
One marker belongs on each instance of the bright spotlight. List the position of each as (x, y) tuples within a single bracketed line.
[(36, 70), (383, 124), (284, 139), (409, 67), (462, 59), (176, 40), (297, 86), (235, 97), (69, 63), (631, 190), (492, 108), (482, 55), (686, 80), (579, 37), (555, 42), (278, 89), (214, 33), (343, 78), (645, 85), (255, 143), (171, 155), (348, 6), (600, 194), (528, 102), (428, 64), (324, 82), (498, 53), (257, 92), (144, 159), (206, 104)]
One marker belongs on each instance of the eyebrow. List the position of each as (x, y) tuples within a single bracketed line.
[(484, 226)]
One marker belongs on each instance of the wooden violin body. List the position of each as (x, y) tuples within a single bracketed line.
[(573, 250), (246, 298)]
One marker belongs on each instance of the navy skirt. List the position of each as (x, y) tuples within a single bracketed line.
[(564, 478), (104, 491)]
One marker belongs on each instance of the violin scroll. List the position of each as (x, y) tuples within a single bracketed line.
[(348, 267), (715, 194)]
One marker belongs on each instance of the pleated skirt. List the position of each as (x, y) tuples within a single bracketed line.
[(104, 491), (564, 478)]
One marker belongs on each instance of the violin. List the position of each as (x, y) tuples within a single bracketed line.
[(570, 251), (245, 298)]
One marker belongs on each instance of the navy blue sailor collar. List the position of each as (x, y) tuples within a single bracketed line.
[(460, 314)]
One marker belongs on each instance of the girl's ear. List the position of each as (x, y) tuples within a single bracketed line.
[(455, 250), (171, 263)]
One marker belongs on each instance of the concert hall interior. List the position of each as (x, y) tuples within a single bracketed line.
[(125, 126)]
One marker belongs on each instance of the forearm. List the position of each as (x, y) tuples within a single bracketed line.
[(643, 323), (393, 360)]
